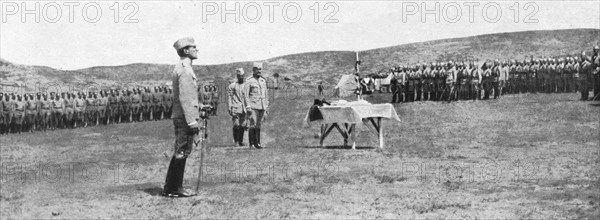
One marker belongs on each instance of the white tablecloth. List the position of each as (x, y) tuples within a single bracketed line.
[(353, 112)]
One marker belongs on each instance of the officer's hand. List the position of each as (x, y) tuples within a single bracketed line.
[(193, 129)]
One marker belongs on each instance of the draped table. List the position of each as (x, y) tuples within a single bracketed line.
[(344, 117)]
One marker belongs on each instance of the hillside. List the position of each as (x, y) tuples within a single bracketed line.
[(306, 68)]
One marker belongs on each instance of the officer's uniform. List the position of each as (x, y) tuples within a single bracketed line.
[(256, 102), (126, 103), (185, 117), (236, 108), (90, 111)]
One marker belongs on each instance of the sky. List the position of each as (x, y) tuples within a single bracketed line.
[(72, 35)]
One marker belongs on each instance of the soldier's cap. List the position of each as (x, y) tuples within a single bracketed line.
[(257, 65), (239, 71), (184, 42), (596, 47)]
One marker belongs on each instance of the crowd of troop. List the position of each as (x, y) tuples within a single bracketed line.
[(41, 112), (448, 81)]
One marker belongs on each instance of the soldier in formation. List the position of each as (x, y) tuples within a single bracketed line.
[(43, 111), (451, 81)]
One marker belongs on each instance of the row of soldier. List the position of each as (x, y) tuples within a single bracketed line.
[(41, 112), (459, 81)]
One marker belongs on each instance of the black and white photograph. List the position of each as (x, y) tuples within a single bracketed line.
[(192, 109)]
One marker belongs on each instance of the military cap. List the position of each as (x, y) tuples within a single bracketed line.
[(257, 65), (596, 48), (184, 42), (239, 71)]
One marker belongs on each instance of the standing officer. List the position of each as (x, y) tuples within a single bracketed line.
[(185, 116), (236, 108), (256, 102)]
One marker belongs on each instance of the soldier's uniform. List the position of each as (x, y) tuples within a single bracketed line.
[(146, 104), (462, 78), (487, 81), (595, 72), (102, 105), (45, 112), (69, 110), (113, 107), (504, 71), (9, 112), (236, 108), (136, 105), (496, 79), (58, 110), (215, 102), (126, 106), (79, 110), (451, 75), (2, 126), (168, 98), (20, 106), (476, 79), (256, 102), (157, 105), (90, 110), (418, 78), (575, 72), (185, 118), (427, 82), (31, 113)]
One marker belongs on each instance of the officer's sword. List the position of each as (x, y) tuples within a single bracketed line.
[(202, 142)]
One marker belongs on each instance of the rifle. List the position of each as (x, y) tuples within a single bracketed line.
[(200, 140)]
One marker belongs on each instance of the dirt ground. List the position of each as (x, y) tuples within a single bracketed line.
[(533, 156)]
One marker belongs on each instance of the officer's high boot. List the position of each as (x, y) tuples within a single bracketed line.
[(257, 138), (251, 137), (240, 136), (174, 181), (235, 135)]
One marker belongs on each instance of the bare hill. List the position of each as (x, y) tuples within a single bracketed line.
[(306, 68)]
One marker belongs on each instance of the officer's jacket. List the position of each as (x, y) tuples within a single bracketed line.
[(185, 95), (235, 97), (255, 94)]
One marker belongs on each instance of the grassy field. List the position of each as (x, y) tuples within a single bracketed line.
[(523, 156)]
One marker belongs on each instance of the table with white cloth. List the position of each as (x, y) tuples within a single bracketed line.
[(344, 117)]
